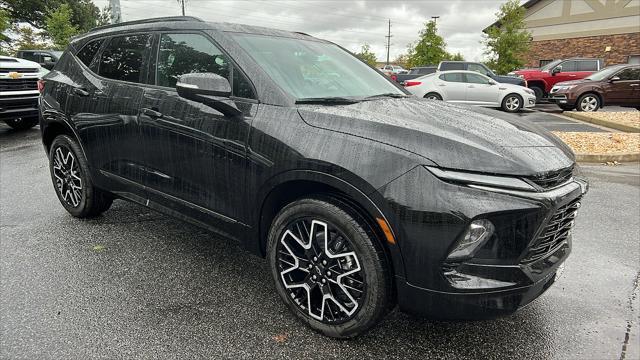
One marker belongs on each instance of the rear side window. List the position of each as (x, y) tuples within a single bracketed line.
[(588, 65), (28, 55), (124, 57), (188, 53), (451, 66), (568, 66), (478, 68), (89, 51), (452, 77), (425, 71)]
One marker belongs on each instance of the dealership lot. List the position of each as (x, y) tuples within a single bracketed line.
[(134, 283)]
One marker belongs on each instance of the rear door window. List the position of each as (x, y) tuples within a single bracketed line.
[(588, 65), (478, 68), (89, 51), (453, 77), (476, 79), (452, 66), (125, 57), (568, 66)]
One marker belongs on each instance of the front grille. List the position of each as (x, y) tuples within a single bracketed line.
[(19, 84), (18, 70), (555, 233), (553, 178)]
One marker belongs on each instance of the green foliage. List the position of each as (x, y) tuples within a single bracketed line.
[(5, 24), (367, 55), (28, 39), (402, 60), (105, 16), (508, 44), (84, 14), (59, 27), (455, 57), (430, 48)]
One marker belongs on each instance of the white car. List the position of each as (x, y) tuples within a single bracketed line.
[(472, 88), (19, 92), (393, 69)]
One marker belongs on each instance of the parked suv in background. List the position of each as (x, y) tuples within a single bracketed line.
[(614, 85), (358, 194), (46, 58), (482, 69), (414, 73), (542, 80), (19, 92)]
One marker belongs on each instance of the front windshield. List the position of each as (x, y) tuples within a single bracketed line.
[(311, 69), (605, 73), (57, 54), (550, 65)]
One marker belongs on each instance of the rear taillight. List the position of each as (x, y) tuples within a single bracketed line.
[(394, 77), (412, 83), (41, 85)]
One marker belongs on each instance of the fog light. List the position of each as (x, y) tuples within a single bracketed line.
[(478, 233)]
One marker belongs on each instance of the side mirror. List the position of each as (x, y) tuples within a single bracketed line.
[(210, 89), (556, 70), (491, 82), (615, 78)]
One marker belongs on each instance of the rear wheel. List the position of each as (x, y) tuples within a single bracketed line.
[(512, 103), (566, 107), (328, 267), (588, 102), (22, 123), (433, 96), (71, 180), (538, 91)]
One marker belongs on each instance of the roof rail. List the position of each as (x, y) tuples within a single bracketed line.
[(148, 21)]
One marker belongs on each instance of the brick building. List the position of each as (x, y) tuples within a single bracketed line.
[(607, 29)]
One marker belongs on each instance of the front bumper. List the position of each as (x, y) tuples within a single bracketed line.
[(504, 275), (561, 99), (17, 106), (529, 101)]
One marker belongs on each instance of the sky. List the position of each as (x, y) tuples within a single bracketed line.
[(348, 23)]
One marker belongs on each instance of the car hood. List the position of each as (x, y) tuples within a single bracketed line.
[(574, 82), (448, 135), (508, 79), (11, 62)]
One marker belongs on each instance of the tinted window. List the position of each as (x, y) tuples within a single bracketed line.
[(451, 66), (188, 53), (590, 65), (89, 51), (424, 71), (241, 86), (46, 58), (477, 68), (30, 56), (568, 66), (452, 77), (476, 79), (124, 56), (629, 74)]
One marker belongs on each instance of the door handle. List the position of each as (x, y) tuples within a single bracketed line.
[(442, 85), (572, 75), (154, 114), (634, 84), (471, 86), (81, 92)]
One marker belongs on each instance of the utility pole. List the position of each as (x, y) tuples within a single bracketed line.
[(388, 41), (116, 14), (182, 4), (435, 19)]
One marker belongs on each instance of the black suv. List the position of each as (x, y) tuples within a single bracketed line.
[(358, 194), (46, 58), (482, 69)]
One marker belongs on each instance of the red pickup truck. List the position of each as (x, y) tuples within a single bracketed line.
[(542, 80)]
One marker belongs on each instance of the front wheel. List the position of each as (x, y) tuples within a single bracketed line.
[(71, 180), (588, 103), (538, 91), (512, 103), (22, 123), (328, 267)]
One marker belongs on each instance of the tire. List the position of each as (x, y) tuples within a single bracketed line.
[(22, 123), (433, 96), (588, 102), (512, 103), (355, 255), (566, 107), (72, 182), (538, 91)]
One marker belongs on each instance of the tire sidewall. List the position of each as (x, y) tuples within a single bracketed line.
[(538, 92), (372, 272), (22, 123), (504, 103), (87, 186), (436, 95), (579, 102)]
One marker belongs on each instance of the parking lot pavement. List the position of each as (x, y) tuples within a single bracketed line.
[(134, 283)]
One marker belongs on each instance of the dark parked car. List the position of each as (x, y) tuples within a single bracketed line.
[(482, 69), (415, 72), (617, 85), (46, 58), (358, 195)]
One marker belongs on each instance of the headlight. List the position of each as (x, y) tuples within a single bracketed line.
[(508, 182), (529, 91), (478, 232), (564, 87)]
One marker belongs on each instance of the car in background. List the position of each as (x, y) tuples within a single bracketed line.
[(414, 73), (482, 69), (614, 85), (471, 88), (393, 69), (19, 92), (46, 58), (542, 80)]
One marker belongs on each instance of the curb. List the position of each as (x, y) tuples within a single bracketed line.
[(605, 123), (602, 158)]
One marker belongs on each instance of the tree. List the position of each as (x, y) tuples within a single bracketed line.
[(28, 39), (367, 55), (455, 57), (402, 60), (507, 42), (84, 14), (5, 40), (430, 48), (105, 16), (58, 25)]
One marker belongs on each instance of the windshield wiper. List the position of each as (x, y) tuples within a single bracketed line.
[(391, 95), (327, 100)]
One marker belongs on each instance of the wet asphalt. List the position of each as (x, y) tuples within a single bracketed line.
[(136, 284)]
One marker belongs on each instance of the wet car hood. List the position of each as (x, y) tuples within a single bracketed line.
[(450, 136), (574, 82)]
